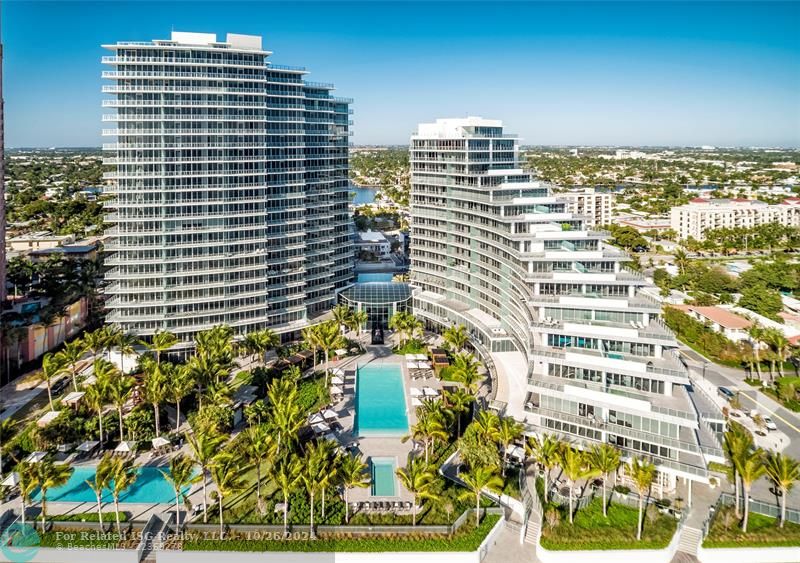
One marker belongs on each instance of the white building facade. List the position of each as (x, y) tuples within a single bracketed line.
[(231, 196), (595, 206), (701, 215), (579, 350)]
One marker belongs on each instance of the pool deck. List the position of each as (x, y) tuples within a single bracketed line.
[(376, 446)]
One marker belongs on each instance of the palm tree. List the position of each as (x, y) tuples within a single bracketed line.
[(783, 471), (180, 475), (575, 466), (205, 371), (487, 424), (459, 402), (203, 447), (311, 338), (286, 417), (70, 356), (756, 334), (286, 475), (604, 459), (311, 476), (125, 343), (50, 475), (162, 341), (101, 481), (427, 429), (179, 386), (737, 441), (342, 315), (119, 390), (328, 338), (642, 474), (123, 475), (359, 320), (465, 370), (782, 348), (326, 454), (545, 452), (751, 468), (96, 341), (353, 473), (419, 479), (52, 366), (260, 446), (478, 479), (681, 260), (28, 483), (156, 387), (508, 431), (456, 337)]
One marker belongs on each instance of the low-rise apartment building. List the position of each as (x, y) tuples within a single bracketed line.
[(701, 215)]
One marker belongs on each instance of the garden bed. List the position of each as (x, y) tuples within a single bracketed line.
[(762, 531), (592, 531)]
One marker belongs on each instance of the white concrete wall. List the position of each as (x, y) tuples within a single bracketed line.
[(749, 555), (284, 557), (53, 555)]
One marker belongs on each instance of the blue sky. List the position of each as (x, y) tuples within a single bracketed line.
[(627, 73)]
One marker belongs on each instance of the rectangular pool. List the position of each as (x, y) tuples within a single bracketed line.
[(383, 477), (150, 488), (364, 278), (381, 401)]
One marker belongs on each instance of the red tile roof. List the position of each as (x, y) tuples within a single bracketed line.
[(718, 315)]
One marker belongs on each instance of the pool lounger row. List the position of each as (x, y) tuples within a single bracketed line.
[(381, 506)]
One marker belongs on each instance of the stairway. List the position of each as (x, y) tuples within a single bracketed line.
[(690, 540), (532, 531)]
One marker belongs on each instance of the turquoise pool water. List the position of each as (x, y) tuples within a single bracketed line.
[(383, 478), (363, 278), (150, 487), (381, 401)]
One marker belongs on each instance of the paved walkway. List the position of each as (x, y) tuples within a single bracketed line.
[(505, 548)]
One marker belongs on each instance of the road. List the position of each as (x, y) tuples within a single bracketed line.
[(787, 421)]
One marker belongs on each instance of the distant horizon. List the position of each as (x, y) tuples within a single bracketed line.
[(556, 73)]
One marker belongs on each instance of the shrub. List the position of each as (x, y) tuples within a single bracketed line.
[(622, 489)]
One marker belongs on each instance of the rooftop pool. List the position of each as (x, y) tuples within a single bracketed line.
[(364, 278), (383, 477), (150, 488), (381, 401)]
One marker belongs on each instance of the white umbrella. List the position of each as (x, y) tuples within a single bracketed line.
[(336, 380), (330, 414), (11, 481), (36, 457), (316, 418), (416, 402), (424, 365), (412, 365), (160, 442), (516, 452), (88, 446), (336, 390), (340, 351), (430, 392), (420, 357), (320, 428), (337, 371), (416, 392), (411, 357), (124, 447)]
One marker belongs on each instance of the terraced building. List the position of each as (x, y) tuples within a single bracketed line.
[(230, 188), (578, 350)]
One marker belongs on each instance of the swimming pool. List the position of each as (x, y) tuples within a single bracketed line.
[(150, 488), (364, 278), (383, 477), (381, 401)]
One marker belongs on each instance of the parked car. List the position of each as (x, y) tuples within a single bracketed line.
[(725, 393), (770, 425), (60, 385)]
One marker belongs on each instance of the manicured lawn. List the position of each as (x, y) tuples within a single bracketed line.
[(411, 347), (468, 538), (762, 531), (592, 531), (108, 517)]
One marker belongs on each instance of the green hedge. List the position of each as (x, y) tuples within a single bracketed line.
[(70, 539), (468, 538), (88, 517)]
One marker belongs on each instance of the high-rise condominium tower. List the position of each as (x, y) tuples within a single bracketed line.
[(231, 195), (577, 349)]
